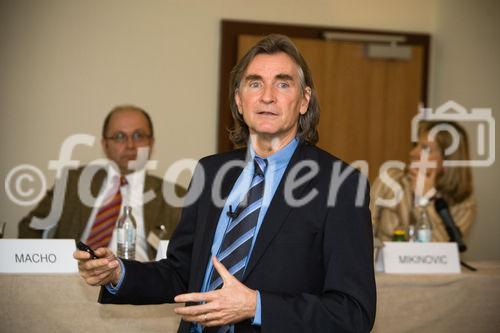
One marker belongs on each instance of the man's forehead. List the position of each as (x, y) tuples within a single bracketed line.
[(127, 117), (271, 64)]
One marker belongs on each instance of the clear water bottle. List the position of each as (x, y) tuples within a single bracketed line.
[(423, 227), (126, 234)]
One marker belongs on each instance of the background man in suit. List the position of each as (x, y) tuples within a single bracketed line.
[(126, 129), (276, 254)]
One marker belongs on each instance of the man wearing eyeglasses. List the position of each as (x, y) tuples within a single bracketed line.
[(127, 141)]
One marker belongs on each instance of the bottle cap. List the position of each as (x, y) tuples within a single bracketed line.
[(423, 201)]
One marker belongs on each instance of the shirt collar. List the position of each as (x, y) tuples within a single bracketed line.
[(134, 179), (280, 158)]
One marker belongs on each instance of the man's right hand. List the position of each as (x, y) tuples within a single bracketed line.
[(98, 272)]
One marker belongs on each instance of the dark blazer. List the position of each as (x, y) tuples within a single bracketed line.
[(313, 265), (75, 214)]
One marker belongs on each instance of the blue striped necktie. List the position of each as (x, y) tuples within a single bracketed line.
[(235, 248)]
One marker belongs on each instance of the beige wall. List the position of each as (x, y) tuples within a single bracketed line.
[(64, 64), (466, 68)]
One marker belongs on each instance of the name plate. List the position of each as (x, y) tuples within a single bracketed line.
[(421, 258), (162, 250), (37, 256)]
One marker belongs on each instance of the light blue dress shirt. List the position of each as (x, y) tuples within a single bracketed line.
[(276, 166)]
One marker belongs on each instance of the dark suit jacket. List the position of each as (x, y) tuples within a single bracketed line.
[(313, 265), (75, 214)]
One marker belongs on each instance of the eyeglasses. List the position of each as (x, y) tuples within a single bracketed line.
[(137, 137)]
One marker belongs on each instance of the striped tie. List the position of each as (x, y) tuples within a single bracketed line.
[(102, 229), (235, 248)]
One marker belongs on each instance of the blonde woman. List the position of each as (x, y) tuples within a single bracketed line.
[(453, 184)]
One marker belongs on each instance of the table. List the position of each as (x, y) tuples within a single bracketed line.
[(467, 302), (64, 303)]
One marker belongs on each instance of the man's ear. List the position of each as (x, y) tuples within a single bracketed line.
[(237, 99), (151, 147), (305, 100), (104, 145)]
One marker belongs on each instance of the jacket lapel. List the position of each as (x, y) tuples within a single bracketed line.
[(150, 208), (277, 212), (95, 187), (212, 220)]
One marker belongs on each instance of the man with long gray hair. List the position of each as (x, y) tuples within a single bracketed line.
[(273, 255)]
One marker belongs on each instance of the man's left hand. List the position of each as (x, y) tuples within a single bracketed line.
[(232, 303)]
